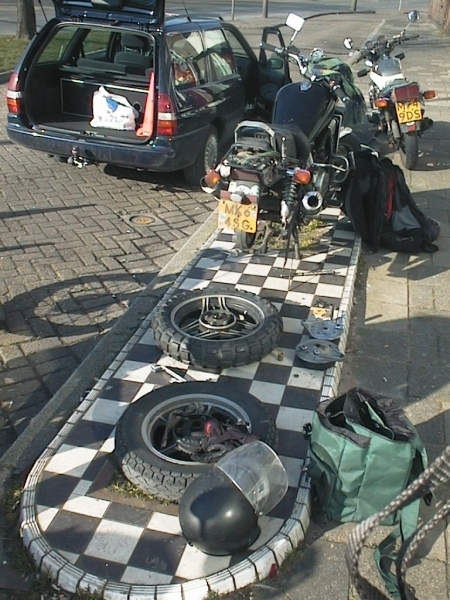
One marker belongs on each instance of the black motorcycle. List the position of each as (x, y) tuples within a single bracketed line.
[(276, 176)]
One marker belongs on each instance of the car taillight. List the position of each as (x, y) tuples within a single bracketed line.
[(406, 92), (167, 120), (14, 95)]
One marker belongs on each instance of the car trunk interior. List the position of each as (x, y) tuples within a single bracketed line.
[(61, 97)]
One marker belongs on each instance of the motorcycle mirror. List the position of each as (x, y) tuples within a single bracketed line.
[(348, 43), (413, 16), (275, 64), (295, 22)]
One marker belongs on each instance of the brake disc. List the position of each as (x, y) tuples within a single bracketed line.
[(319, 354), (324, 330)]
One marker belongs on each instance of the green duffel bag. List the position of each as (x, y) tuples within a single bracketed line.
[(363, 452)]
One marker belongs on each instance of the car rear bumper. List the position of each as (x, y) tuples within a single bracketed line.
[(163, 155)]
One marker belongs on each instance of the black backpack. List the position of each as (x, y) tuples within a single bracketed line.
[(381, 209)]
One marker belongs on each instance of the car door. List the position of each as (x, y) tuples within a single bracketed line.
[(273, 70), (225, 81)]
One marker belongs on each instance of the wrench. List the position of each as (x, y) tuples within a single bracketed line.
[(175, 378)]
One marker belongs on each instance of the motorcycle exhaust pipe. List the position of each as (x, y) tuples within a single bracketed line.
[(312, 203)]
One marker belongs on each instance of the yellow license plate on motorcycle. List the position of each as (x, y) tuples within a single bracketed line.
[(233, 215), (408, 111)]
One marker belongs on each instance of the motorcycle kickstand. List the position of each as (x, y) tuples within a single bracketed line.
[(297, 252)]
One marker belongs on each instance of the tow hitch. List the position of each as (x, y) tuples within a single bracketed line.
[(76, 160)]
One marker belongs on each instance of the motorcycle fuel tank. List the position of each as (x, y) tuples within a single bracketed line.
[(306, 104)]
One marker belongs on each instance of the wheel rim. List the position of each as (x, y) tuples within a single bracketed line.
[(217, 317), (211, 153), (169, 437)]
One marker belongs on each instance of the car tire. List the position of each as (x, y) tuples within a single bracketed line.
[(162, 469), (206, 158), (217, 328)]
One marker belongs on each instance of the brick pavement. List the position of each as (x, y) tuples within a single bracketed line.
[(72, 262)]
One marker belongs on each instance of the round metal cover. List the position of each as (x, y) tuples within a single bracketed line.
[(324, 330), (141, 220), (319, 354)]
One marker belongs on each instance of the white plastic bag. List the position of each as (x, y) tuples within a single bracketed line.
[(112, 111)]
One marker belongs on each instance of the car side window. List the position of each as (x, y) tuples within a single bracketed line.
[(57, 48), (222, 62), (188, 59), (238, 50)]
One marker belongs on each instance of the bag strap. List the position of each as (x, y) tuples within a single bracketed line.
[(384, 554), (408, 501)]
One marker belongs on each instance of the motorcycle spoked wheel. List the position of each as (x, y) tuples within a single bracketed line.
[(217, 328), (409, 149), (147, 450)]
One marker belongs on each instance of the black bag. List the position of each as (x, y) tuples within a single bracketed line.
[(382, 210)]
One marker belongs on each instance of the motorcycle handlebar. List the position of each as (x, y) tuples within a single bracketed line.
[(340, 93), (276, 49), (411, 37)]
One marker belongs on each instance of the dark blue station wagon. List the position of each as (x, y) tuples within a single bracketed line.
[(187, 81)]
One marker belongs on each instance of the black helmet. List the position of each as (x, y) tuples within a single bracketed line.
[(216, 517)]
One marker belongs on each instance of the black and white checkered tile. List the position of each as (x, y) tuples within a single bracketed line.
[(89, 537)]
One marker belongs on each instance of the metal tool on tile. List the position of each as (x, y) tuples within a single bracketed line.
[(324, 330), (175, 377)]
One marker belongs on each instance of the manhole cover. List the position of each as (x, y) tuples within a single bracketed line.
[(141, 220)]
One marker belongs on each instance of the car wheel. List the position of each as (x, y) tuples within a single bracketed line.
[(169, 437), (206, 158), (217, 328)]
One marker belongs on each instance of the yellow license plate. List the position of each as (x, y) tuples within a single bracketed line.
[(233, 215), (409, 111)]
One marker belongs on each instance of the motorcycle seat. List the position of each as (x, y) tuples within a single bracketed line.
[(295, 142)]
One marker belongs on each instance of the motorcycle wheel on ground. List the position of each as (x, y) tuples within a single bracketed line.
[(217, 328), (157, 437), (409, 150)]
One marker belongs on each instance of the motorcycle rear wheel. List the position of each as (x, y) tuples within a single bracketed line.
[(163, 467), (409, 150), (253, 241)]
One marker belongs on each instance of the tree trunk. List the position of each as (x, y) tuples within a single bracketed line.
[(26, 19)]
